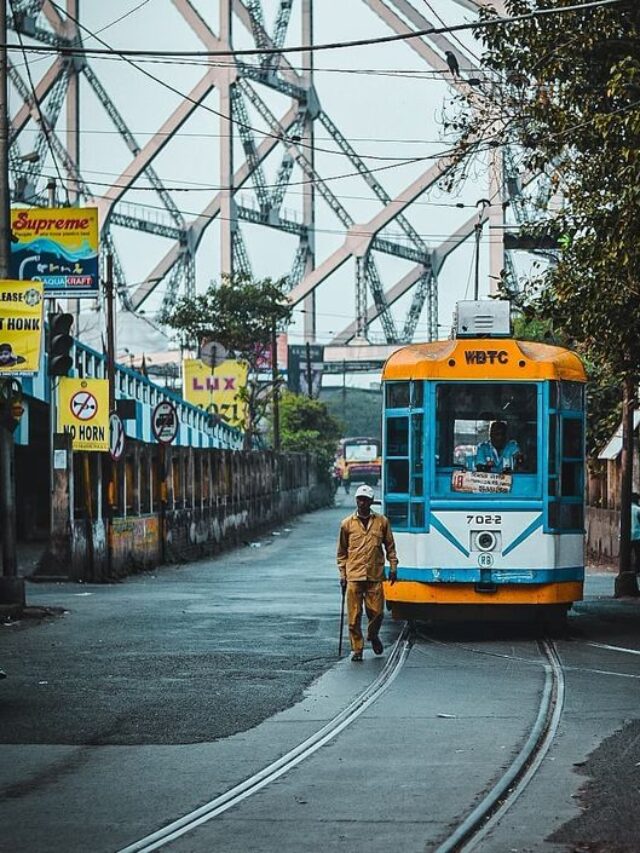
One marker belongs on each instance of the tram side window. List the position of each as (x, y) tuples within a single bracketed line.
[(396, 474), (398, 515), (417, 456), (398, 436), (572, 396), (566, 467), (397, 395), (571, 472), (397, 445)]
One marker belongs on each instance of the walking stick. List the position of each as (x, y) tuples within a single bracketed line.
[(343, 590)]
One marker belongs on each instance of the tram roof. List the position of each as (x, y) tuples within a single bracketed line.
[(483, 358)]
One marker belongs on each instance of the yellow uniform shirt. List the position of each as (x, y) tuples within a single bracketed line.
[(360, 555)]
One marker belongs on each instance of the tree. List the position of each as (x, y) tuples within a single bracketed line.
[(568, 93), (360, 409), (308, 426), (243, 316)]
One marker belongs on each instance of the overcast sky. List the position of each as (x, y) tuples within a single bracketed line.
[(382, 112)]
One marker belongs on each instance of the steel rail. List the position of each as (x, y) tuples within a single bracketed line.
[(513, 782), (278, 768)]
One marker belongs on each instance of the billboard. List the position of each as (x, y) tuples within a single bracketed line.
[(263, 361), (83, 411), (306, 363), (21, 325), (215, 389), (57, 246)]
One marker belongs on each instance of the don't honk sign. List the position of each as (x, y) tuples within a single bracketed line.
[(83, 411)]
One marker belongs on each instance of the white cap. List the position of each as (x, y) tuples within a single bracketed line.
[(364, 491)]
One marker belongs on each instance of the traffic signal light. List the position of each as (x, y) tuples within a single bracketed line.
[(60, 343)]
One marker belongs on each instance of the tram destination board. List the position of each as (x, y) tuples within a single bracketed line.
[(164, 422)]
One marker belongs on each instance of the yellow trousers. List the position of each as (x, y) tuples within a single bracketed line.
[(371, 594)]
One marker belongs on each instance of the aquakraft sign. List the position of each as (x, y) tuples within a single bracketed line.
[(57, 246), (216, 389), (21, 324), (83, 411)]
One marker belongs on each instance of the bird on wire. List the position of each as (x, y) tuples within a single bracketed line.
[(452, 62)]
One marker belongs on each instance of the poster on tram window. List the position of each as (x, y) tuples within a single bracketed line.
[(480, 482), (216, 389), (21, 327), (57, 246)]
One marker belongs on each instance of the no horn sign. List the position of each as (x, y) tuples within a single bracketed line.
[(83, 412)]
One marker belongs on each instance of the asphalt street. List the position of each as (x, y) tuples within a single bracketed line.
[(131, 704)]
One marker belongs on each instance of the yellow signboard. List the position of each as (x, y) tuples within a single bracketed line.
[(57, 246), (21, 306), (83, 411), (215, 389)]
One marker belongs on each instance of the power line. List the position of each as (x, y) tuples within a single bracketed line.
[(398, 37), (122, 17), (200, 105), (43, 123)]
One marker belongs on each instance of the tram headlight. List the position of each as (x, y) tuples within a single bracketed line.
[(486, 541)]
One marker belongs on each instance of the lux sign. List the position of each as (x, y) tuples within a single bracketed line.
[(212, 383), (478, 356)]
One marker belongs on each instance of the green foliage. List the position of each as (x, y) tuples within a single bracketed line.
[(241, 315), (569, 96), (306, 425), (358, 408)]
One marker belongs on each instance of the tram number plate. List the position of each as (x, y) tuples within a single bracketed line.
[(484, 519), (485, 561)]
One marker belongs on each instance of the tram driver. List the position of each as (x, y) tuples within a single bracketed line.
[(498, 455)]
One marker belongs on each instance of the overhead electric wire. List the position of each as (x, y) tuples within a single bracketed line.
[(186, 135), (299, 143), (122, 17), (466, 49), (397, 37), (43, 123)]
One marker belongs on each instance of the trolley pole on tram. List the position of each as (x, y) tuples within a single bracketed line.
[(478, 229), (11, 586)]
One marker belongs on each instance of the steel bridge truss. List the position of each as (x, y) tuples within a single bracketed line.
[(242, 88)]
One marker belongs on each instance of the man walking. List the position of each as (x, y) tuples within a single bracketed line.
[(361, 565)]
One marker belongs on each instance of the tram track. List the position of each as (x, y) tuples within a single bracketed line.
[(222, 803), (486, 815)]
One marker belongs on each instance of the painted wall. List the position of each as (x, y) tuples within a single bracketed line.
[(179, 505), (603, 534)]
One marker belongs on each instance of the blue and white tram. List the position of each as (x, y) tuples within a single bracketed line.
[(481, 523)]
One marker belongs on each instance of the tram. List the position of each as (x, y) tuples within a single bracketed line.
[(483, 472)]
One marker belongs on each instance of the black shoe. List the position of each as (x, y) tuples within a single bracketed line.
[(376, 645), (357, 656)]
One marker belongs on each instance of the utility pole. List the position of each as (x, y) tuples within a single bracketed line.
[(11, 586), (111, 464), (111, 334), (309, 371), (276, 390)]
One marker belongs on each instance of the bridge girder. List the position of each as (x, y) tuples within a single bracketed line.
[(290, 135)]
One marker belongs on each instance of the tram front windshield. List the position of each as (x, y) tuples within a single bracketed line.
[(487, 427)]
